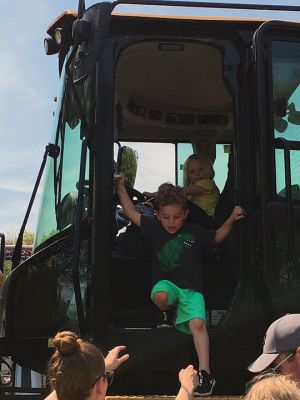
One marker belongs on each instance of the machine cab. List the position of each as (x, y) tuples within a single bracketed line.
[(158, 88)]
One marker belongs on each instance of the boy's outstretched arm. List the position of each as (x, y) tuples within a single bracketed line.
[(221, 233), (126, 203)]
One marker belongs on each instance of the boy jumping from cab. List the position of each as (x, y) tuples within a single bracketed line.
[(176, 264)]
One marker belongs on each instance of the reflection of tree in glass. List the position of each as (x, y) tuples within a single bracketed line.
[(49, 235), (286, 80), (285, 274), (48, 277)]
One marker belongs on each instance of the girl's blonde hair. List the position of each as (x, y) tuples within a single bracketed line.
[(74, 367), (273, 386), (197, 157)]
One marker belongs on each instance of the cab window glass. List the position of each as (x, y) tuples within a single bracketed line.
[(221, 164), (295, 173), (286, 96), (184, 150), (156, 164), (57, 211)]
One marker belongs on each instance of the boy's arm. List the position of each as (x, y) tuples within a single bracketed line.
[(126, 203), (221, 233)]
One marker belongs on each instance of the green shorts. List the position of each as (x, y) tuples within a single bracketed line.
[(189, 303)]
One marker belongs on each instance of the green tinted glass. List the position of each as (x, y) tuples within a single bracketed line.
[(286, 97)]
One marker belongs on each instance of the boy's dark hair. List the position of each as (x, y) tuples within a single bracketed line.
[(169, 194)]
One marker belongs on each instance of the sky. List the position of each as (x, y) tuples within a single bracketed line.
[(28, 84)]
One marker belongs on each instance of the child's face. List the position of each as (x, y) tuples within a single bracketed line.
[(171, 217), (197, 170)]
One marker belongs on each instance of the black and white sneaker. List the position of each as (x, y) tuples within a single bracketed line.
[(164, 319), (206, 384)]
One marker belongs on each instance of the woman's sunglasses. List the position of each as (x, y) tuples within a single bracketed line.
[(109, 376)]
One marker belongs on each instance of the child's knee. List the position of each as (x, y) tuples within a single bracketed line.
[(160, 298), (197, 324)]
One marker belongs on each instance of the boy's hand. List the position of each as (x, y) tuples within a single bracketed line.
[(126, 202), (189, 378), (119, 179), (237, 213)]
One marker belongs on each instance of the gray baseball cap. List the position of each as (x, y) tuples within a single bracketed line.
[(282, 335)]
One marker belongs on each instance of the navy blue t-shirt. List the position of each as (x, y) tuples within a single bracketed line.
[(177, 257)]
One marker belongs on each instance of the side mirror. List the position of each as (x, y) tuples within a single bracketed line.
[(127, 164)]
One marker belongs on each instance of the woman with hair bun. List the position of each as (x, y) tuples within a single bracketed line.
[(78, 371)]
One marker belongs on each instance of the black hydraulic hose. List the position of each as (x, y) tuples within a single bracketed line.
[(53, 151), (2, 252), (77, 239)]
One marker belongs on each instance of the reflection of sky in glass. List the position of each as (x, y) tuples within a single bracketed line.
[(292, 131), (220, 166), (286, 78), (295, 169)]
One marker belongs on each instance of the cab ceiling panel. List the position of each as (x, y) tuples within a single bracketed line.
[(177, 86)]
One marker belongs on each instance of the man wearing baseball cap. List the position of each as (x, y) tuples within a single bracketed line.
[(281, 351)]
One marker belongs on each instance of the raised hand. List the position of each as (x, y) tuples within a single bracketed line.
[(189, 378), (112, 360), (237, 213)]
